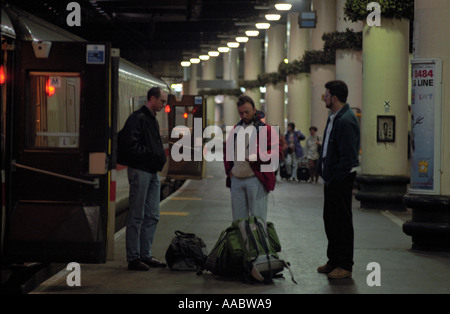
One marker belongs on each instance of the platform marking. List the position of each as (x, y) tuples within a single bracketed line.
[(392, 217), (174, 213), (187, 198)]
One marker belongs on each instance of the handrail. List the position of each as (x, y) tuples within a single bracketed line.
[(95, 183)]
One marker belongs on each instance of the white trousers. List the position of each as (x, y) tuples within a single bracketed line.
[(248, 196)]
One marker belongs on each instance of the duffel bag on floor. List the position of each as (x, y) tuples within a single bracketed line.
[(186, 252)]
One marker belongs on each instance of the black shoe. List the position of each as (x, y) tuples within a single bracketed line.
[(137, 265), (153, 262)]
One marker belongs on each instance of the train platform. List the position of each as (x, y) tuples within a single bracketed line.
[(203, 207)]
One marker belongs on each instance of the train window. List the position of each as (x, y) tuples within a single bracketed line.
[(183, 116), (54, 110)]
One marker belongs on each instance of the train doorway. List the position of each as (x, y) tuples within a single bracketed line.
[(61, 152), (187, 119)]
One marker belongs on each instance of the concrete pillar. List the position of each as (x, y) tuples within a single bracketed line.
[(230, 72), (209, 73), (384, 172), (275, 45), (321, 74), (429, 228), (253, 67), (349, 62), (299, 85)]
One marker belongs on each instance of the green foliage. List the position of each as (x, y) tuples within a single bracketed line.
[(213, 92), (332, 41), (356, 10), (343, 40)]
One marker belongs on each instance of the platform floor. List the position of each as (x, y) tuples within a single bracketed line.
[(203, 207)]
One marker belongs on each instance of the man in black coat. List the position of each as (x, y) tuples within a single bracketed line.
[(337, 165), (140, 148)]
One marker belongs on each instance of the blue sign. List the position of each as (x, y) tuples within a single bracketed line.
[(95, 54)]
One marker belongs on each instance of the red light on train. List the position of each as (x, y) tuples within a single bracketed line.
[(167, 109), (2, 75), (49, 89), (185, 115)]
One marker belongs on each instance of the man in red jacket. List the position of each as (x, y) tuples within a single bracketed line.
[(251, 157)]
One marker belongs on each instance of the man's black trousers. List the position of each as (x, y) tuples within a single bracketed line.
[(338, 220)]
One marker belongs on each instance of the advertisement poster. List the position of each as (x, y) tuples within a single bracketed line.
[(425, 126)]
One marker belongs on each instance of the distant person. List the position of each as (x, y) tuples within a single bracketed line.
[(249, 185), (312, 148), (283, 150), (338, 163), (294, 150), (141, 149)]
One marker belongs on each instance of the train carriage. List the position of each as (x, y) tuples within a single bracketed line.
[(63, 101)]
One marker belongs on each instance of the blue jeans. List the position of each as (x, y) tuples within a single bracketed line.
[(248, 196), (143, 214)]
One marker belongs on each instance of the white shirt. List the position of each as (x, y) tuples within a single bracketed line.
[(327, 134)]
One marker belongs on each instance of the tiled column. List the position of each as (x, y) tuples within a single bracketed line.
[(299, 85), (384, 171), (253, 67), (209, 73), (321, 74), (349, 62), (230, 72), (275, 53)]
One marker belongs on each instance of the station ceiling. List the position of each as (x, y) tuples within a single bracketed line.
[(155, 31)]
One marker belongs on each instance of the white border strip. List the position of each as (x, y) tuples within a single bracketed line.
[(393, 218)]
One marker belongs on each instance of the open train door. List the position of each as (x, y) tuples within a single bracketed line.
[(187, 118), (60, 153)]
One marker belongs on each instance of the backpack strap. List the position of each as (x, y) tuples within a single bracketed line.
[(261, 233)]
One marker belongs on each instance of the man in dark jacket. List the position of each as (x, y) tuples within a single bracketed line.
[(337, 165), (141, 149)]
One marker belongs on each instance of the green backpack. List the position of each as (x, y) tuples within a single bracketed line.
[(248, 248), (227, 254)]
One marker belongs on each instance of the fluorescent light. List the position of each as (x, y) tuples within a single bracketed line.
[(204, 57), (251, 33), (262, 25), (223, 49), (213, 53), (233, 44), (283, 6), (185, 63), (242, 39), (195, 60), (273, 17), (177, 87)]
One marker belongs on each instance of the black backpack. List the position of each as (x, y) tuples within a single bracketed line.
[(186, 252)]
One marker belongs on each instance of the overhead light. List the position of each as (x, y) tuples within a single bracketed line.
[(262, 25), (204, 57), (252, 33), (283, 6), (195, 60), (233, 44), (273, 17), (213, 53), (242, 39), (223, 49), (185, 63)]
